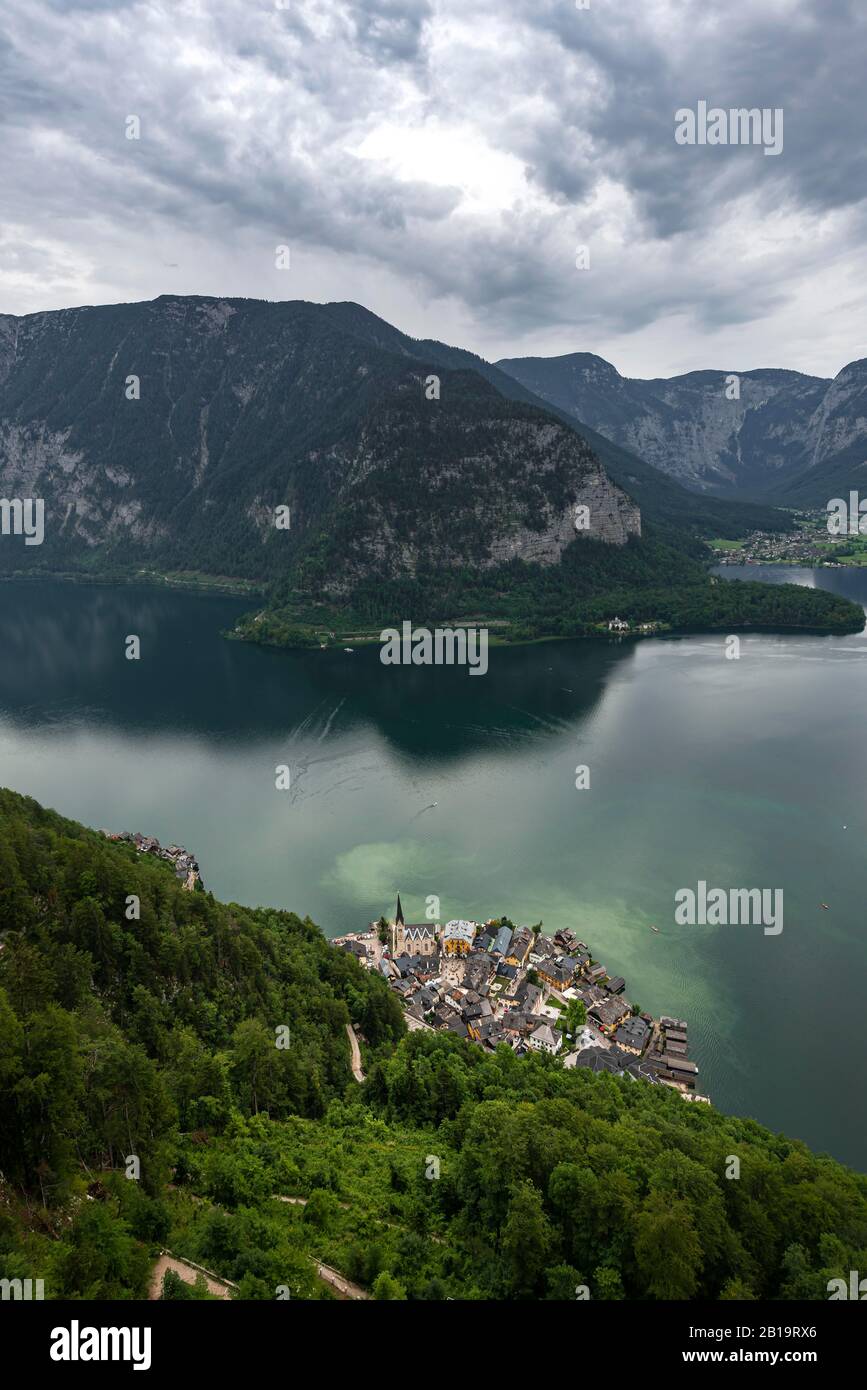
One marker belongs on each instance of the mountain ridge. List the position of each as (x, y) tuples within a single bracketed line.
[(317, 451), (786, 438)]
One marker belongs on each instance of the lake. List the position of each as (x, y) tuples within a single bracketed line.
[(741, 773)]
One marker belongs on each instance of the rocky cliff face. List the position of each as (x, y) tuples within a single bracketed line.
[(785, 436), (479, 483), (168, 433)]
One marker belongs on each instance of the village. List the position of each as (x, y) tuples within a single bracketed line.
[(493, 983), (185, 866)]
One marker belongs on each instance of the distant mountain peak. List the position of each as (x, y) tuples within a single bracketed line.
[(767, 433)]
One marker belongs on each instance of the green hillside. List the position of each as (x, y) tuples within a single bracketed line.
[(448, 1173)]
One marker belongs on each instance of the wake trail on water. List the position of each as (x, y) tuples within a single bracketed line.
[(330, 720)]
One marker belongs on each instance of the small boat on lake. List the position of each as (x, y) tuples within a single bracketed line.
[(652, 927)]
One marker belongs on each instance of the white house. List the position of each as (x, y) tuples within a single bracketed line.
[(545, 1039)]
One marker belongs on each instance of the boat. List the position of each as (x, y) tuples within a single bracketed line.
[(652, 927), (349, 649), (825, 905)]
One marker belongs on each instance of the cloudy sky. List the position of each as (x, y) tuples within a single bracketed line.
[(441, 160)]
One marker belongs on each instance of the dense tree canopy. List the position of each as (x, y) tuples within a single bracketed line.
[(450, 1173)]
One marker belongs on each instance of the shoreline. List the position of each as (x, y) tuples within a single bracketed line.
[(188, 582), (224, 586), (495, 984)]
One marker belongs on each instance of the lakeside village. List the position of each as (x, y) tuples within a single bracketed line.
[(185, 866), (813, 544), (493, 983)]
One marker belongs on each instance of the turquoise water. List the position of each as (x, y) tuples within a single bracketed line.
[(742, 773)]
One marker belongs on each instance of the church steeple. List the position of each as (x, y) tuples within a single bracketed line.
[(398, 927)]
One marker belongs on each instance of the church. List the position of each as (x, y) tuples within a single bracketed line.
[(413, 939)]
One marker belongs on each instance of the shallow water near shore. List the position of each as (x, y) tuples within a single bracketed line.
[(747, 773)]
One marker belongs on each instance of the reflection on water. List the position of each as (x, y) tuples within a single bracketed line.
[(740, 773)]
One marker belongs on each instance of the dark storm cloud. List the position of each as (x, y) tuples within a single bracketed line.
[(455, 152)]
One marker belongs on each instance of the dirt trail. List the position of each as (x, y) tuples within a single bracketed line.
[(340, 1283), (356, 1053)]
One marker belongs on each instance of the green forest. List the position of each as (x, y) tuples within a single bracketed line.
[(138, 1020), (647, 581)]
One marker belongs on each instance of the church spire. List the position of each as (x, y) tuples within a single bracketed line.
[(398, 916)]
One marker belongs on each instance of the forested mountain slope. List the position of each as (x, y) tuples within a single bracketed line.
[(154, 1038)]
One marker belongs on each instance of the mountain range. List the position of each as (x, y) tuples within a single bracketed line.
[(778, 436), (320, 453)]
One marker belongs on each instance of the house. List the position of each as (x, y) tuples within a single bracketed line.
[(610, 1013), (618, 625), (641, 1071), (544, 949), (597, 1059), (506, 972), (479, 970), (404, 965), (616, 985), (458, 937), (544, 1039), (590, 995), (555, 973), (528, 997), (519, 1023), (471, 1012), (502, 942), (355, 948), (675, 1035), (595, 973), (520, 947), (632, 1035)]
